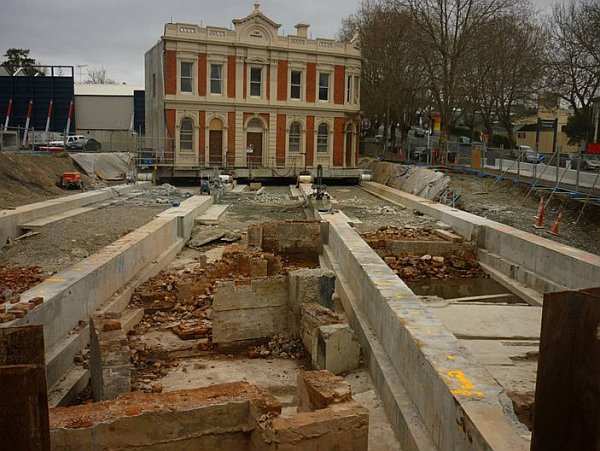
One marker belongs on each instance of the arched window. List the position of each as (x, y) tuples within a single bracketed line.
[(323, 138), (295, 137), (255, 123), (186, 135)]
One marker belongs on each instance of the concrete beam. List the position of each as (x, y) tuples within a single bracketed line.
[(11, 220), (74, 295), (560, 264), (446, 386)]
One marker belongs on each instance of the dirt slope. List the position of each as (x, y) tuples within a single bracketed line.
[(27, 178)]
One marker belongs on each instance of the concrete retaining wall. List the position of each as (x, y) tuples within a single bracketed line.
[(11, 219), (456, 399), (561, 264), (73, 295)]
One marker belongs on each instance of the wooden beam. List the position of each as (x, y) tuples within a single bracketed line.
[(24, 423), (567, 398)]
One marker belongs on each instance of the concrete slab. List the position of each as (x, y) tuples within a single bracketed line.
[(10, 220), (212, 215), (38, 224), (510, 322), (529, 295), (501, 352), (276, 375), (66, 389)]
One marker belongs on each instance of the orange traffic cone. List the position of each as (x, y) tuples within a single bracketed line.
[(539, 219), (554, 229)]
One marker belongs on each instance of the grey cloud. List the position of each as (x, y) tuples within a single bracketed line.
[(116, 33)]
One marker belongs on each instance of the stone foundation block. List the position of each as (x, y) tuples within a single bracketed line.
[(338, 349)]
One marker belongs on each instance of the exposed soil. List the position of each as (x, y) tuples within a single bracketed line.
[(506, 203), (64, 243), (32, 177)]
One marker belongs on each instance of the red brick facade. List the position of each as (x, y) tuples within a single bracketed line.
[(201, 135), (338, 141), (170, 72), (202, 74), (231, 76), (170, 115), (280, 140), (339, 85), (282, 80), (311, 82), (231, 138)]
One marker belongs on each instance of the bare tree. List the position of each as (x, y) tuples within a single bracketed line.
[(446, 32), (519, 48), (392, 88), (98, 76), (574, 59)]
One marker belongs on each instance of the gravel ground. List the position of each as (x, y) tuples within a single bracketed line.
[(64, 243), (247, 208), (373, 211), (506, 203)]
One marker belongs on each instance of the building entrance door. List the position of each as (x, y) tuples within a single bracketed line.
[(255, 141), (215, 148)]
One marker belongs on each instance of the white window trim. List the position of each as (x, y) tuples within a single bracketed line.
[(223, 78), (356, 88), (302, 150), (220, 60), (262, 81), (318, 154), (194, 77), (352, 97), (181, 118), (302, 71), (329, 87)]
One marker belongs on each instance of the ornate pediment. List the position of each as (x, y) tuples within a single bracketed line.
[(256, 27)]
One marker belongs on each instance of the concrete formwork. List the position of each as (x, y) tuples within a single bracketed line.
[(448, 401), (73, 295), (523, 252), (10, 220)]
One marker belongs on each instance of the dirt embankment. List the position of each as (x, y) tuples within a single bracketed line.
[(28, 178)]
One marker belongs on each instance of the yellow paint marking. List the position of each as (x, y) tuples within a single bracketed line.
[(55, 279), (451, 357), (466, 386)]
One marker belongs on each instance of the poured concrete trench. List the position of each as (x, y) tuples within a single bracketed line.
[(450, 345)]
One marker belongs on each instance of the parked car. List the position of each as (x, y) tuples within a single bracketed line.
[(72, 142), (588, 163), (530, 156)]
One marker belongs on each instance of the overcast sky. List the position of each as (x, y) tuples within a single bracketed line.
[(116, 33)]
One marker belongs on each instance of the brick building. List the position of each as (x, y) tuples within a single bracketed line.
[(250, 99)]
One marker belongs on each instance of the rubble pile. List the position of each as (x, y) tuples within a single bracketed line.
[(15, 280), (279, 346), (402, 234), (181, 301), (164, 194), (355, 202), (435, 267)]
